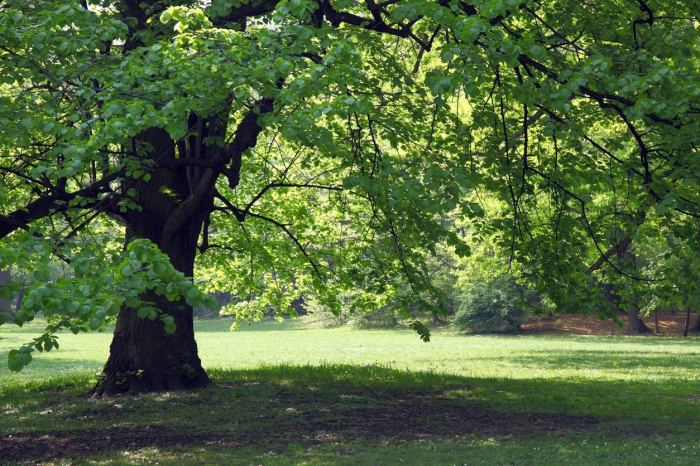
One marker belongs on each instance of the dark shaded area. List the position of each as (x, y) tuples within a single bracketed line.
[(608, 360), (145, 358), (394, 417), (273, 408)]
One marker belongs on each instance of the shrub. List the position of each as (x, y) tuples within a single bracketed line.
[(493, 306), (381, 317), (322, 315)]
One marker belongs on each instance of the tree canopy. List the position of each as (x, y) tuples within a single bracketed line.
[(306, 147)]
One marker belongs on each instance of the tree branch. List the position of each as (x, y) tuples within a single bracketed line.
[(47, 205)]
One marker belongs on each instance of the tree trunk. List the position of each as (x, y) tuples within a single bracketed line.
[(687, 322), (5, 304), (142, 356), (635, 325), (656, 322)]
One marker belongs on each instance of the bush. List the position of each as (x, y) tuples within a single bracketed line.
[(322, 315), (493, 306), (382, 317)]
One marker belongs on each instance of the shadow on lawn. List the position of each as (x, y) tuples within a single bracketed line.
[(277, 406), (645, 340), (607, 360)]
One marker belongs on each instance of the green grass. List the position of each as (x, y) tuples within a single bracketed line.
[(293, 393)]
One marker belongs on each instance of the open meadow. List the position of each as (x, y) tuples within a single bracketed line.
[(294, 393)]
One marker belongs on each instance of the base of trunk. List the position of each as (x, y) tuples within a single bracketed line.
[(135, 382), (635, 325), (144, 358)]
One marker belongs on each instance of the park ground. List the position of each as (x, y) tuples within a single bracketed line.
[(294, 393)]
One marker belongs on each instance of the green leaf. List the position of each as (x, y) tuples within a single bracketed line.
[(18, 359), (168, 324), (42, 274), (147, 312), (421, 330)]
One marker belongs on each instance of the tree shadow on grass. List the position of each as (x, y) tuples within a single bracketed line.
[(608, 340), (607, 360), (270, 408), (645, 340)]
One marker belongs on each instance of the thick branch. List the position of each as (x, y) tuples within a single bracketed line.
[(617, 248), (47, 205), (245, 137), (246, 10)]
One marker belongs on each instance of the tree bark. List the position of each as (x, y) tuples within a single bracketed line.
[(656, 322), (5, 304), (142, 356), (686, 328), (635, 325)]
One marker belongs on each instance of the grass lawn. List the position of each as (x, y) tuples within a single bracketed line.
[(292, 393)]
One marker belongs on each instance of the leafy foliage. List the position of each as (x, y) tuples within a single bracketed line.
[(494, 306), (103, 288)]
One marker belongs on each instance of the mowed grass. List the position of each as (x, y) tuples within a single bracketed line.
[(293, 393)]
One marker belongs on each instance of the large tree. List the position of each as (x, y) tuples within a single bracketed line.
[(291, 147)]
